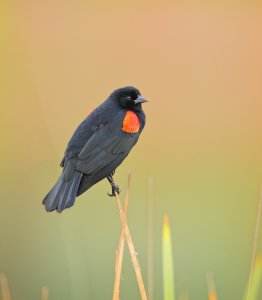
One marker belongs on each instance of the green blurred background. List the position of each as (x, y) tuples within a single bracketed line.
[(200, 64)]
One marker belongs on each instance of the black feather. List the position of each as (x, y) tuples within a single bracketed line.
[(63, 193), (97, 147)]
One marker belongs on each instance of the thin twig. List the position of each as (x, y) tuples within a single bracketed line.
[(150, 240), (4, 287), (120, 250), (44, 293), (253, 259), (131, 249)]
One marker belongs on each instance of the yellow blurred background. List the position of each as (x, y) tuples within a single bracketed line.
[(200, 65)]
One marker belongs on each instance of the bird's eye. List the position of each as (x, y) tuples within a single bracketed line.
[(128, 98)]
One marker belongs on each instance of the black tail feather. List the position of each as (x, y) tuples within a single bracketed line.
[(63, 194), (73, 192)]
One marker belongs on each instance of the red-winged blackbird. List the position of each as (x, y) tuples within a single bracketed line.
[(98, 146)]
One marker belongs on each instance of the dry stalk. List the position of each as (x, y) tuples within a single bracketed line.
[(183, 295), (253, 259), (131, 249), (44, 293), (120, 250), (212, 294), (150, 240), (4, 287)]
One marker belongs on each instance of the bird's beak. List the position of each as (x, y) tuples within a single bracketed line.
[(140, 100)]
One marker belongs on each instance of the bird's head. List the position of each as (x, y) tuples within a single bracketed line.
[(129, 98)]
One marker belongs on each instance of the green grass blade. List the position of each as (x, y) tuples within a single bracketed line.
[(168, 273), (256, 280)]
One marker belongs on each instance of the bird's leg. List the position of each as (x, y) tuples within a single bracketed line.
[(114, 186)]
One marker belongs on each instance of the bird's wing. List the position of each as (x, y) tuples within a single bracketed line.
[(104, 147), (88, 180), (92, 123), (83, 133)]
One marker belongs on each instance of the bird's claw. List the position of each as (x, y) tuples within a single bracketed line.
[(115, 189)]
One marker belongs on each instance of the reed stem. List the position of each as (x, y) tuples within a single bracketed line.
[(120, 250), (255, 240), (4, 287), (131, 249), (44, 293)]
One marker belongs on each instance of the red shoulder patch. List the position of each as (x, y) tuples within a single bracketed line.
[(131, 123)]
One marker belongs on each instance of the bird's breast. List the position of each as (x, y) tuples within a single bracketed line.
[(131, 122)]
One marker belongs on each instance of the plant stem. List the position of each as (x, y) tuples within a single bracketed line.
[(253, 259), (212, 295), (120, 250), (131, 249), (150, 240), (44, 293), (4, 287)]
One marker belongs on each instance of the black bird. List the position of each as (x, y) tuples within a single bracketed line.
[(98, 146)]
